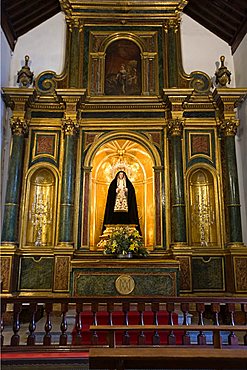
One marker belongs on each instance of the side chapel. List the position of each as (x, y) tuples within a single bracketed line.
[(123, 102)]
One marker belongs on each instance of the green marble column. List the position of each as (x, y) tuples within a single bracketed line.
[(68, 183), (177, 184), (171, 28), (75, 29), (229, 128), (12, 202)]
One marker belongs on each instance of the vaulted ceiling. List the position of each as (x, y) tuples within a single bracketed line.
[(225, 18)]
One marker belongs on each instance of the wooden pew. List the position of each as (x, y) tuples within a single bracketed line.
[(231, 356), (167, 358)]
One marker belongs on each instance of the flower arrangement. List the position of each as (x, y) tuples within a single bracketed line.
[(124, 240)]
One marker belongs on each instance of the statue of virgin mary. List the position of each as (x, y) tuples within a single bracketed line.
[(121, 207)]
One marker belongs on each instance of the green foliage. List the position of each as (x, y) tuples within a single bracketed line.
[(124, 240)]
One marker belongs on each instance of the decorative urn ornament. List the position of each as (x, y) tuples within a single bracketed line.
[(223, 75), (25, 76)]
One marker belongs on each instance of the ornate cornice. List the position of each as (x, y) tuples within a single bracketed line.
[(122, 11)]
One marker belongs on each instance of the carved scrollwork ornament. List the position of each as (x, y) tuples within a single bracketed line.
[(229, 126), (69, 126), (18, 126), (175, 127)]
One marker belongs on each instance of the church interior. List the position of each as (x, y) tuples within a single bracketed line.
[(106, 134)]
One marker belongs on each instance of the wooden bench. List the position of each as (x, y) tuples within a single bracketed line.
[(167, 358)]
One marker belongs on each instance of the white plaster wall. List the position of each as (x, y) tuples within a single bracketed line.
[(201, 49), (239, 58), (6, 56), (45, 46)]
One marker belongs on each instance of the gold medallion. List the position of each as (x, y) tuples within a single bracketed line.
[(125, 284)]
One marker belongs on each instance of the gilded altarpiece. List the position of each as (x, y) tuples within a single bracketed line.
[(123, 101)]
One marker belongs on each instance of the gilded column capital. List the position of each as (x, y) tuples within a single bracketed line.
[(72, 21), (69, 126), (229, 126), (175, 127), (172, 24), (18, 126)]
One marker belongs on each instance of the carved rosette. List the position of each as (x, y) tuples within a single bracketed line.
[(70, 127), (175, 127), (229, 126), (18, 126)]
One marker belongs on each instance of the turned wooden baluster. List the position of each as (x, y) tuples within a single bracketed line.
[(3, 310), (141, 336), (63, 337), (48, 325), (110, 309), (244, 309), (185, 310), (217, 340), (94, 308), (171, 337), (126, 336), (32, 325), (232, 338), (112, 334), (15, 339), (78, 324), (201, 338), (155, 309)]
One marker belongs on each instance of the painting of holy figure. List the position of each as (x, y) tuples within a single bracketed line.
[(123, 68)]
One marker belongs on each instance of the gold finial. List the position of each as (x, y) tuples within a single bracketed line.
[(25, 76), (223, 75)]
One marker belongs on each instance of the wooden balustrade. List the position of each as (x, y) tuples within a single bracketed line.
[(209, 315)]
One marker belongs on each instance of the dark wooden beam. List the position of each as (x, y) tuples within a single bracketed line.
[(8, 30), (211, 26), (23, 28), (239, 35), (35, 14)]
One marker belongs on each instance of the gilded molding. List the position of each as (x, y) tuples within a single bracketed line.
[(175, 127), (229, 126), (69, 126), (18, 126)]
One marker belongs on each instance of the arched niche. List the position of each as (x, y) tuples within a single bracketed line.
[(204, 228), (142, 164), (40, 208), (136, 161), (123, 68)]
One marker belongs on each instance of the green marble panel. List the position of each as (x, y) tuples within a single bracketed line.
[(208, 274), (36, 273), (102, 282)]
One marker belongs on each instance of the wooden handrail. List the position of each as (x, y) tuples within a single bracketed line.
[(155, 306)]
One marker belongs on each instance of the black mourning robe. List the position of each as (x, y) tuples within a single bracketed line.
[(130, 217)]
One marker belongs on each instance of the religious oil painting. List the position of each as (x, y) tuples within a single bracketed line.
[(123, 68)]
